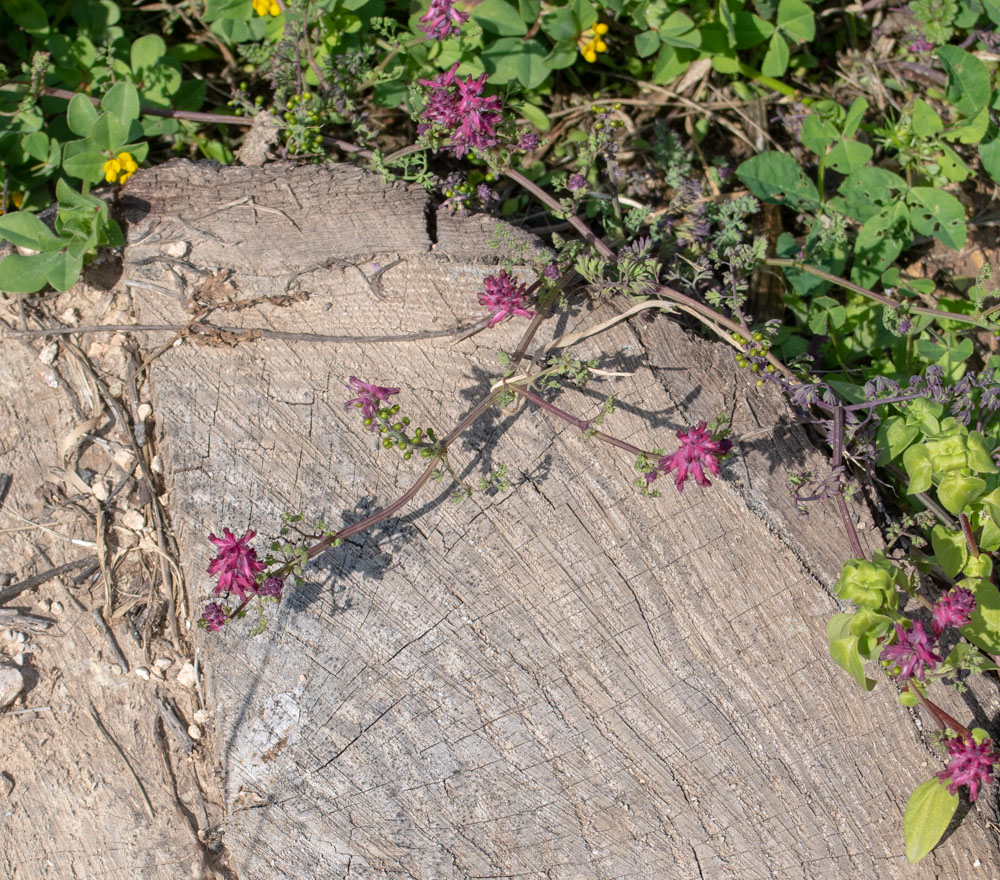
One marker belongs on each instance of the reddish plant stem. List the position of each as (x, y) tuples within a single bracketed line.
[(190, 115), (970, 538), (941, 718), (579, 423), (838, 461)]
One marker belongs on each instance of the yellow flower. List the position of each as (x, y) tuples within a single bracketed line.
[(16, 199), (120, 169), (591, 44), (266, 7)]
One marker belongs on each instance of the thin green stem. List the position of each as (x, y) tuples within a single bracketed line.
[(871, 294)]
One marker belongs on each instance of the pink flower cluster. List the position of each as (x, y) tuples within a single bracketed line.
[(236, 565), (458, 106), (914, 652), (699, 451), (971, 764), (370, 398), (442, 20), (504, 297)]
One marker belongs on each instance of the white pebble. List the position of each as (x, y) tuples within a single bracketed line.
[(11, 682), (100, 489), (48, 354), (142, 672), (194, 731), (186, 677), (202, 715), (163, 663), (115, 669), (145, 411), (8, 634), (156, 465), (134, 520), (70, 316), (177, 249), (45, 605), (57, 608), (20, 638), (19, 659)]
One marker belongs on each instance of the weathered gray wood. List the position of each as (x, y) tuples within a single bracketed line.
[(566, 681)]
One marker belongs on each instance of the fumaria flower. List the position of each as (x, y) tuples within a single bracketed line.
[(913, 655), (214, 617), (953, 609), (442, 20), (236, 564), (370, 398), (458, 106), (504, 297), (971, 764), (699, 451)]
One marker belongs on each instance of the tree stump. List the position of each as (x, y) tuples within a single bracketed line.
[(568, 680)]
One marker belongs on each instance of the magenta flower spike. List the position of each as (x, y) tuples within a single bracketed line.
[(913, 653), (370, 398), (699, 452), (442, 20), (458, 105), (971, 765), (214, 617), (504, 297), (236, 564), (953, 609)]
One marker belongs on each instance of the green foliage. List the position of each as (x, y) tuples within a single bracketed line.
[(928, 813)]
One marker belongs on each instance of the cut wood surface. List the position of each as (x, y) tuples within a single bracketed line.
[(568, 680)]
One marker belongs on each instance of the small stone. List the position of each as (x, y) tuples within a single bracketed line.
[(48, 354), (57, 608), (194, 731), (186, 677), (124, 459), (8, 634), (134, 520), (163, 663), (115, 669), (71, 316), (100, 489), (19, 658), (20, 638), (45, 605), (157, 673), (177, 249), (202, 715), (178, 343), (142, 672), (145, 411), (156, 465), (11, 683)]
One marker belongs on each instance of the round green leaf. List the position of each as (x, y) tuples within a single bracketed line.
[(147, 51), (777, 178), (928, 814), (108, 133), (23, 229), (776, 60), (499, 17), (968, 80), (796, 19), (20, 273), (958, 491), (937, 213), (81, 115), (918, 467), (950, 549), (122, 100)]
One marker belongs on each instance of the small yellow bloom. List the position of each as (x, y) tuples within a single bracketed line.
[(14, 199), (120, 169), (591, 44), (266, 7)]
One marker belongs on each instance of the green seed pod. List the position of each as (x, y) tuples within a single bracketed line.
[(387, 443), (598, 126), (758, 336), (754, 368)]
